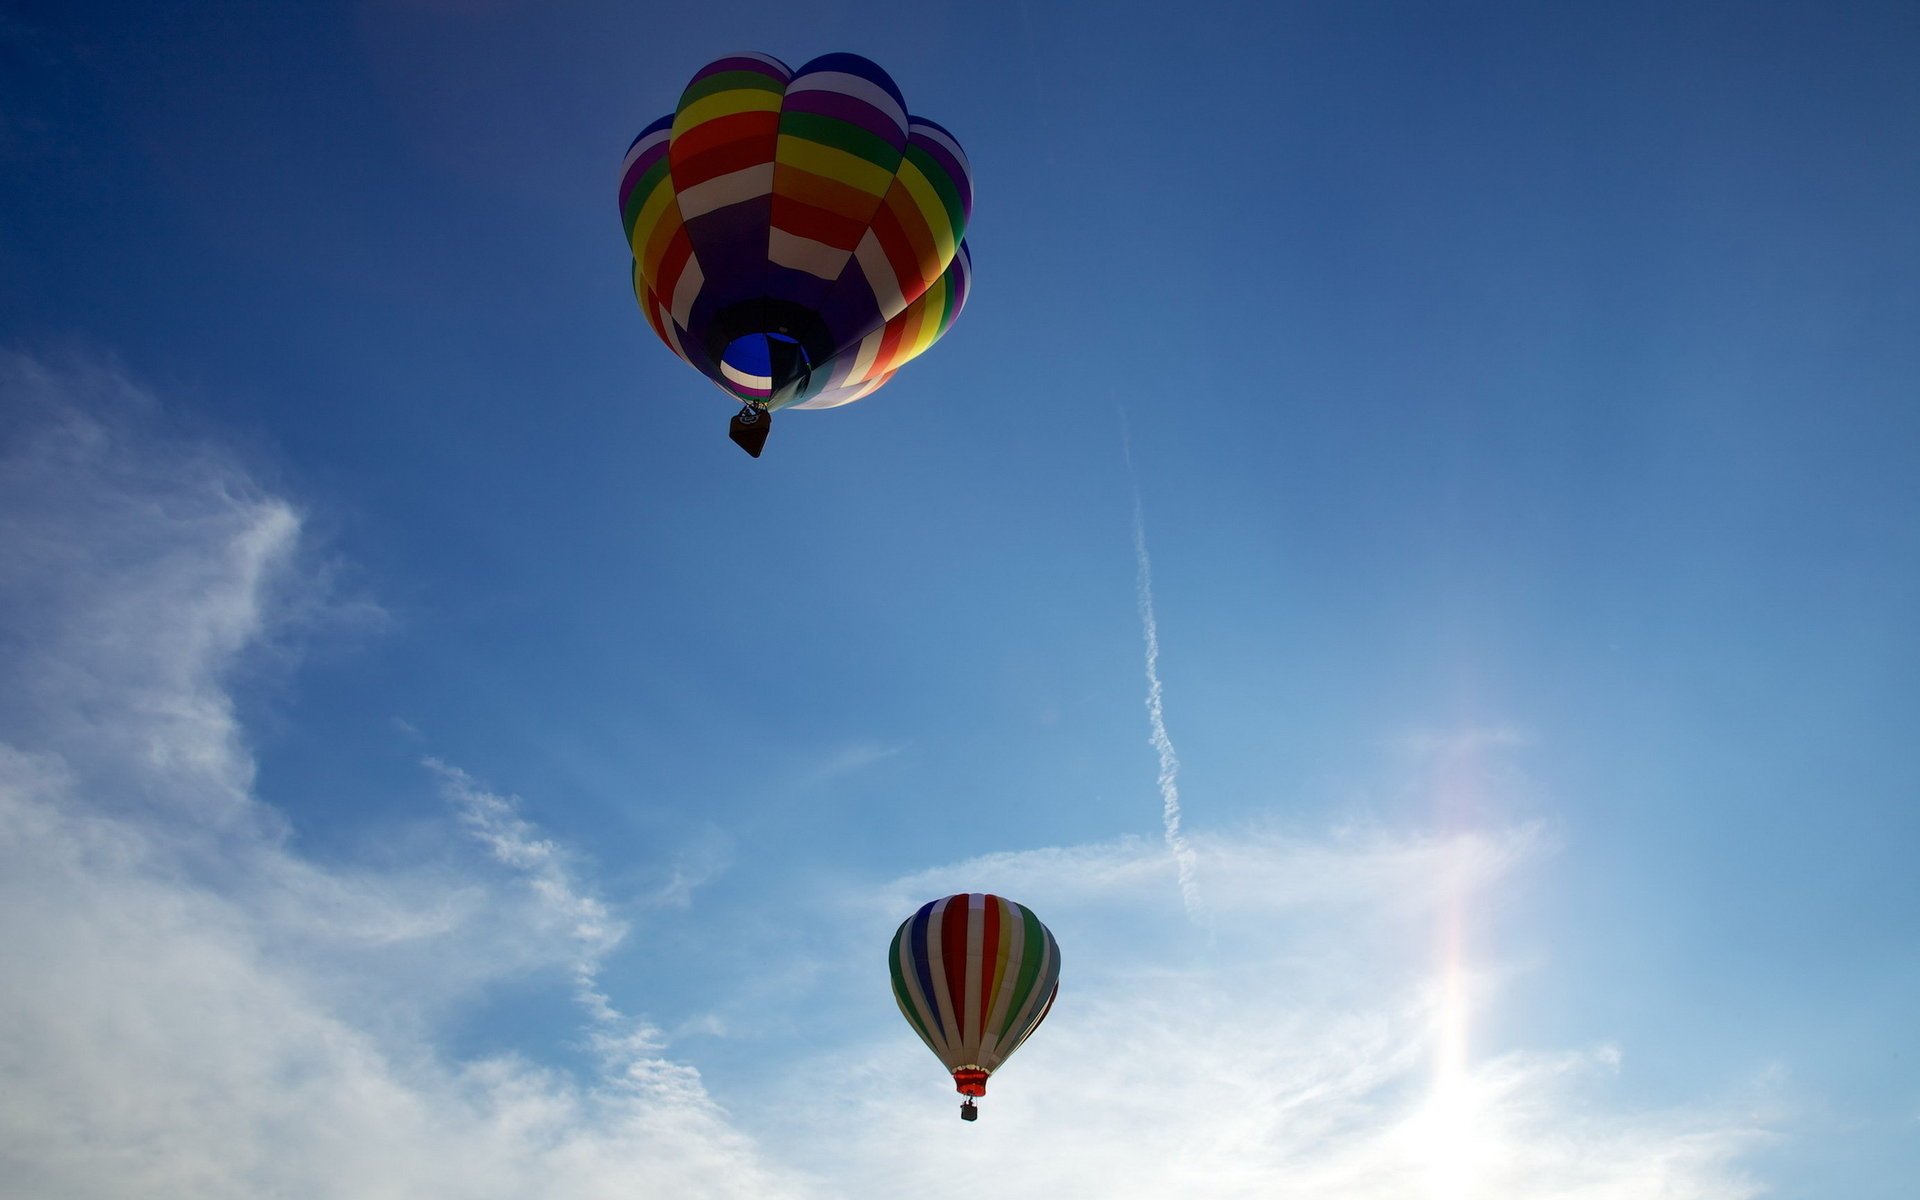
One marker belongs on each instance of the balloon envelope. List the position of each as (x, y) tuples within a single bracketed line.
[(797, 236), (974, 974)]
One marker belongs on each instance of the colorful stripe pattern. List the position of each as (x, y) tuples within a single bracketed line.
[(862, 369), (805, 206), (974, 974)]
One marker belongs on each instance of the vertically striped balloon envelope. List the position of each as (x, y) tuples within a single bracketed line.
[(796, 235), (974, 974)]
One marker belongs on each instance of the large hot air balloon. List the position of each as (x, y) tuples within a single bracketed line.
[(796, 235), (974, 974)]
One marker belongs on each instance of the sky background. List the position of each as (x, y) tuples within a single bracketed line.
[(435, 761)]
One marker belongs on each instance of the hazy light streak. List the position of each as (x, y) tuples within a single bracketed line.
[(1451, 1120), (1454, 1141)]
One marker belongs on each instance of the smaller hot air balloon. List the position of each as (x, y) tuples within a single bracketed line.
[(974, 974)]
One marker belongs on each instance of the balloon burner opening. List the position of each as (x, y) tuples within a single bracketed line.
[(768, 369)]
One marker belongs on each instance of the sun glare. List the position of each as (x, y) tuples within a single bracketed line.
[(1449, 1136)]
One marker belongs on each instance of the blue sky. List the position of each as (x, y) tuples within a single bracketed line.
[(437, 762)]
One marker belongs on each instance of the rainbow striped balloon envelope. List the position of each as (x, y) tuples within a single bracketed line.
[(974, 974), (797, 236)]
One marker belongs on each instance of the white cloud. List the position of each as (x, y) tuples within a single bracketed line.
[(515, 842), (191, 1009), (1301, 1051), (123, 625), (158, 1042)]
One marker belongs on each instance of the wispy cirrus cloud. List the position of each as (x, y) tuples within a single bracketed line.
[(190, 1007), (1248, 870), (121, 626), (1186, 869), (849, 759)]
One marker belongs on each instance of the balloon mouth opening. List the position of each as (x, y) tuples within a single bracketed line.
[(970, 1081), (766, 368)]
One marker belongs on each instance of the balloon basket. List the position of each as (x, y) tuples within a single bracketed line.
[(968, 1112), (749, 428)]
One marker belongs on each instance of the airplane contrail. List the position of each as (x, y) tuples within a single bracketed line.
[(1183, 856)]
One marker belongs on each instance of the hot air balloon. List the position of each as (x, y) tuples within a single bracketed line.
[(974, 974), (796, 235)]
